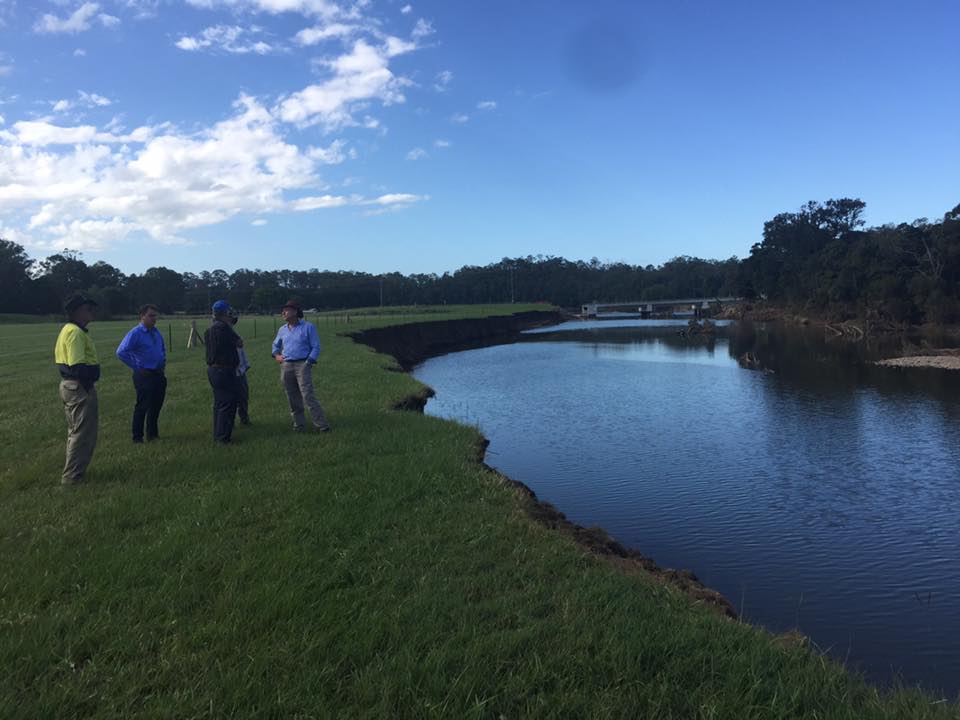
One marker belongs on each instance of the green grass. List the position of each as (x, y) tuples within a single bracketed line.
[(374, 572)]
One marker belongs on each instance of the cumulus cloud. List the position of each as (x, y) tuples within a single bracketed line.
[(85, 99), (259, 222), (422, 29), (79, 52), (442, 144), (406, 9), (416, 154), (85, 187), (487, 105), (357, 77), (76, 22), (459, 118), (228, 38)]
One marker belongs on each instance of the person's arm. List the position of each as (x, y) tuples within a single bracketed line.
[(125, 350), (314, 337), (163, 351), (277, 349), (209, 343)]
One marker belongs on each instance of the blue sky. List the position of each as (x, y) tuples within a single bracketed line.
[(384, 135)]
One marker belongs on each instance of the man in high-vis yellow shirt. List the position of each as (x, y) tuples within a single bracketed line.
[(76, 358)]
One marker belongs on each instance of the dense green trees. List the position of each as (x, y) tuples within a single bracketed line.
[(819, 259)]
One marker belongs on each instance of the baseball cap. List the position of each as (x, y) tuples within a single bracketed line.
[(221, 306)]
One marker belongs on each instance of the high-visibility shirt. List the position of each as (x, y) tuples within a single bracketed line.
[(75, 347)]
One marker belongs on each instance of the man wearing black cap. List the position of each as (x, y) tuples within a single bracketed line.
[(296, 348), (79, 366), (221, 343)]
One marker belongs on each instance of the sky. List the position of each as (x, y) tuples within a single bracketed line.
[(421, 136)]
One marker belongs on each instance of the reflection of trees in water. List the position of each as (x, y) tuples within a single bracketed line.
[(807, 355)]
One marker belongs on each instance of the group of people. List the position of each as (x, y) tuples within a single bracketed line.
[(296, 349)]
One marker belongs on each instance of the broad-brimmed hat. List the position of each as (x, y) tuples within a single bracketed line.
[(76, 301)]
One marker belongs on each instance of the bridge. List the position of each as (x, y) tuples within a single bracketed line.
[(649, 307)]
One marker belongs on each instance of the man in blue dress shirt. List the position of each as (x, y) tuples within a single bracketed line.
[(296, 348), (142, 350)]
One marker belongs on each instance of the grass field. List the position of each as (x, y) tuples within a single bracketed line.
[(373, 572)]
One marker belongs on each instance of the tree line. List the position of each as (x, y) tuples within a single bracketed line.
[(819, 260)]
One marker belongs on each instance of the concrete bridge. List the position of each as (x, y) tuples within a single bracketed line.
[(648, 307)]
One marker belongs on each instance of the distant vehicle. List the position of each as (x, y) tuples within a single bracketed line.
[(311, 310)]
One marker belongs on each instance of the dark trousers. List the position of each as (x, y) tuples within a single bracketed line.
[(226, 394), (151, 390), (243, 399)]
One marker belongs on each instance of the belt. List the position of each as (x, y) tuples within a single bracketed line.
[(154, 371), (287, 360)]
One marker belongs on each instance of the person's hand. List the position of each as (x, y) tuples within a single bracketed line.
[(311, 363), (279, 357)]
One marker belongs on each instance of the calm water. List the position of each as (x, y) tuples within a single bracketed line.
[(824, 495)]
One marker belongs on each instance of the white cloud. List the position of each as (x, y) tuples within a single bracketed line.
[(442, 144), (357, 77), (93, 100), (459, 118), (62, 105), (416, 154), (487, 105), (422, 29), (86, 187), (78, 21), (398, 198), (442, 81), (5, 70), (79, 52), (259, 222), (228, 38), (319, 33), (108, 21), (406, 9), (318, 8), (319, 202), (331, 155)]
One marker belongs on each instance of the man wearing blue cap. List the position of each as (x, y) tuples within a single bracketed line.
[(221, 343)]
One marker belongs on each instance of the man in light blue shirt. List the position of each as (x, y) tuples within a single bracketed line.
[(142, 350), (297, 347)]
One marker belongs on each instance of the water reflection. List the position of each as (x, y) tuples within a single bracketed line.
[(821, 495)]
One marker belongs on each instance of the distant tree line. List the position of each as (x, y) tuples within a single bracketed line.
[(819, 260)]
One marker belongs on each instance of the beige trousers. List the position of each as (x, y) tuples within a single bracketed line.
[(297, 380), (82, 409)]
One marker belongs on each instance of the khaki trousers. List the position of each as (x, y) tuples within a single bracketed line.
[(297, 381), (82, 409)]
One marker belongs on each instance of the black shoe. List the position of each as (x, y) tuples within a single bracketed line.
[(245, 421), (324, 429), (151, 439)]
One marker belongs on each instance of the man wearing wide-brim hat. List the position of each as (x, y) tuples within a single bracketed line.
[(297, 347), (79, 366)]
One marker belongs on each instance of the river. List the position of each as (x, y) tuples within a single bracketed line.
[(817, 493)]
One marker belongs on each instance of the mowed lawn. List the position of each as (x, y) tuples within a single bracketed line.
[(373, 572)]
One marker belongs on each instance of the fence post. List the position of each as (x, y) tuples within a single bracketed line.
[(254, 327), (170, 335)]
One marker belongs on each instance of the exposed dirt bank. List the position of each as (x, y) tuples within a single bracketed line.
[(942, 362), (413, 343)]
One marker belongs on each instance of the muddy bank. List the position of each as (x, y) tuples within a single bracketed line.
[(413, 343), (940, 361)]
